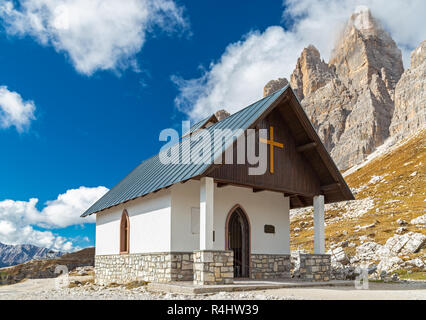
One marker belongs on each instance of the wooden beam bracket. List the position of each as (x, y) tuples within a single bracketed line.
[(221, 184), (307, 146)]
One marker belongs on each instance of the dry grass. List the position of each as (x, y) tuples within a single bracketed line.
[(136, 284), (77, 283), (399, 195), (75, 273)]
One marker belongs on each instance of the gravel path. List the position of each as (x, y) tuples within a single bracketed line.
[(45, 289), (377, 291)]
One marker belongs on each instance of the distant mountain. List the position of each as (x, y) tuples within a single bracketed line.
[(45, 268), (11, 255)]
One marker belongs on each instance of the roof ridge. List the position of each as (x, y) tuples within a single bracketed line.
[(159, 176)]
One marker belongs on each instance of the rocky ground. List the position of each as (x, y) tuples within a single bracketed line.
[(46, 289), (385, 227)]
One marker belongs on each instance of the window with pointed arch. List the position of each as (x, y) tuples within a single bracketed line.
[(124, 232)]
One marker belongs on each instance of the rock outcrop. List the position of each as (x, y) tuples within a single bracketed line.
[(311, 73), (410, 96), (222, 114), (274, 85), (419, 221)]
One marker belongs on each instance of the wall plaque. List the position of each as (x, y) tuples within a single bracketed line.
[(269, 228)]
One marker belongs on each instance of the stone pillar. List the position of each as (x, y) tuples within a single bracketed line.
[(206, 213), (319, 236), (315, 267), (213, 267)]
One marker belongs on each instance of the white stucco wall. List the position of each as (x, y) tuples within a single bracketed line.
[(161, 222), (184, 197), (150, 225), (261, 207)]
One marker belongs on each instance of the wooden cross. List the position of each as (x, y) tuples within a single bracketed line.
[(272, 144)]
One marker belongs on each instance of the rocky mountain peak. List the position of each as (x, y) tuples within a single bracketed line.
[(365, 49), (311, 72), (274, 85), (363, 21), (353, 99), (410, 96), (418, 56)]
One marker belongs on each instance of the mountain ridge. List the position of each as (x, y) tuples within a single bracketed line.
[(16, 254)]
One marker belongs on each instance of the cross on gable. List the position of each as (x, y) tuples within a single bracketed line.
[(272, 144)]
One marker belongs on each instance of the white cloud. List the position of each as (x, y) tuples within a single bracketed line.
[(238, 77), (64, 211), (14, 111), (96, 34), (18, 219)]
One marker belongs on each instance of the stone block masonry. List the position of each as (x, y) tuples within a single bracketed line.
[(270, 266), (206, 267), (213, 267), (316, 267), (155, 267)]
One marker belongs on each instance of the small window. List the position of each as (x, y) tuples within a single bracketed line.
[(195, 220), (124, 232)]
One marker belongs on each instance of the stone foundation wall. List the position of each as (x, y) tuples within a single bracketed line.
[(270, 266), (213, 267), (315, 267), (158, 267), (205, 267)]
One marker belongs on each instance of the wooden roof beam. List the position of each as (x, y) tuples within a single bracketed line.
[(331, 186), (307, 146), (298, 200)]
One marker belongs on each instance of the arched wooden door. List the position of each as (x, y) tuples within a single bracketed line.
[(238, 234)]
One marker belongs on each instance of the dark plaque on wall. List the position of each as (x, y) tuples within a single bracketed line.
[(269, 228)]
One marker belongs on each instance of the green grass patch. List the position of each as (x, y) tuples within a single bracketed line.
[(420, 275)]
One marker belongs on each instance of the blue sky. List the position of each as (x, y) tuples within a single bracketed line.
[(93, 122)]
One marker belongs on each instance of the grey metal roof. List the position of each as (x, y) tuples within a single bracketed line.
[(151, 175), (201, 123)]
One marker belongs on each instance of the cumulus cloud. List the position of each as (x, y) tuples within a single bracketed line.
[(21, 222), (63, 211), (96, 34), (14, 111), (237, 78)]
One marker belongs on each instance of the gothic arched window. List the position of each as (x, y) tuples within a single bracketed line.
[(124, 232)]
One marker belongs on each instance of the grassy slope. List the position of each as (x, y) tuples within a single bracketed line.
[(399, 195)]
